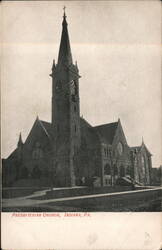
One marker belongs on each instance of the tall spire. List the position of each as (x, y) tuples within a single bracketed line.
[(65, 57)]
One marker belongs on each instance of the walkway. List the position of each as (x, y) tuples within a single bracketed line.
[(26, 201)]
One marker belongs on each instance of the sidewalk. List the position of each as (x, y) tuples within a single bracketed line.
[(26, 201)]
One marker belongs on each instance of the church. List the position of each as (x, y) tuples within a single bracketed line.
[(68, 151)]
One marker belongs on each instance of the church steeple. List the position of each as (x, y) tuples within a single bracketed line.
[(65, 111), (65, 56)]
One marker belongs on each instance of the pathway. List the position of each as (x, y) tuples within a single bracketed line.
[(26, 201)]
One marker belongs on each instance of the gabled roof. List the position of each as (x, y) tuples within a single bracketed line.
[(107, 131), (47, 127), (88, 134), (83, 122), (144, 146), (138, 148), (12, 155)]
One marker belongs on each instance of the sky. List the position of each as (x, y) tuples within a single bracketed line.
[(117, 45)]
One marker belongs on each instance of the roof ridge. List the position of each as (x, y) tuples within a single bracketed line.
[(106, 124), (107, 131), (40, 121), (146, 148), (81, 118), (45, 122), (139, 147)]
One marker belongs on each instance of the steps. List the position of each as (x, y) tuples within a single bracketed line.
[(127, 181)]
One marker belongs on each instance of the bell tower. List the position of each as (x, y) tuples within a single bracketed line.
[(65, 111)]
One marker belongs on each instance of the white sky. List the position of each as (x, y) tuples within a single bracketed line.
[(117, 46)]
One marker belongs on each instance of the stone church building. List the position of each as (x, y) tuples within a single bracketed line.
[(68, 151)]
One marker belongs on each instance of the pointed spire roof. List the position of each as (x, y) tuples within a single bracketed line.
[(65, 56), (54, 65), (20, 142), (142, 141)]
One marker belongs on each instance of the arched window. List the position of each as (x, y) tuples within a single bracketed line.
[(120, 148), (73, 90), (107, 169), (76, 87), (106, 151), (37, 152), (143, 163)]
